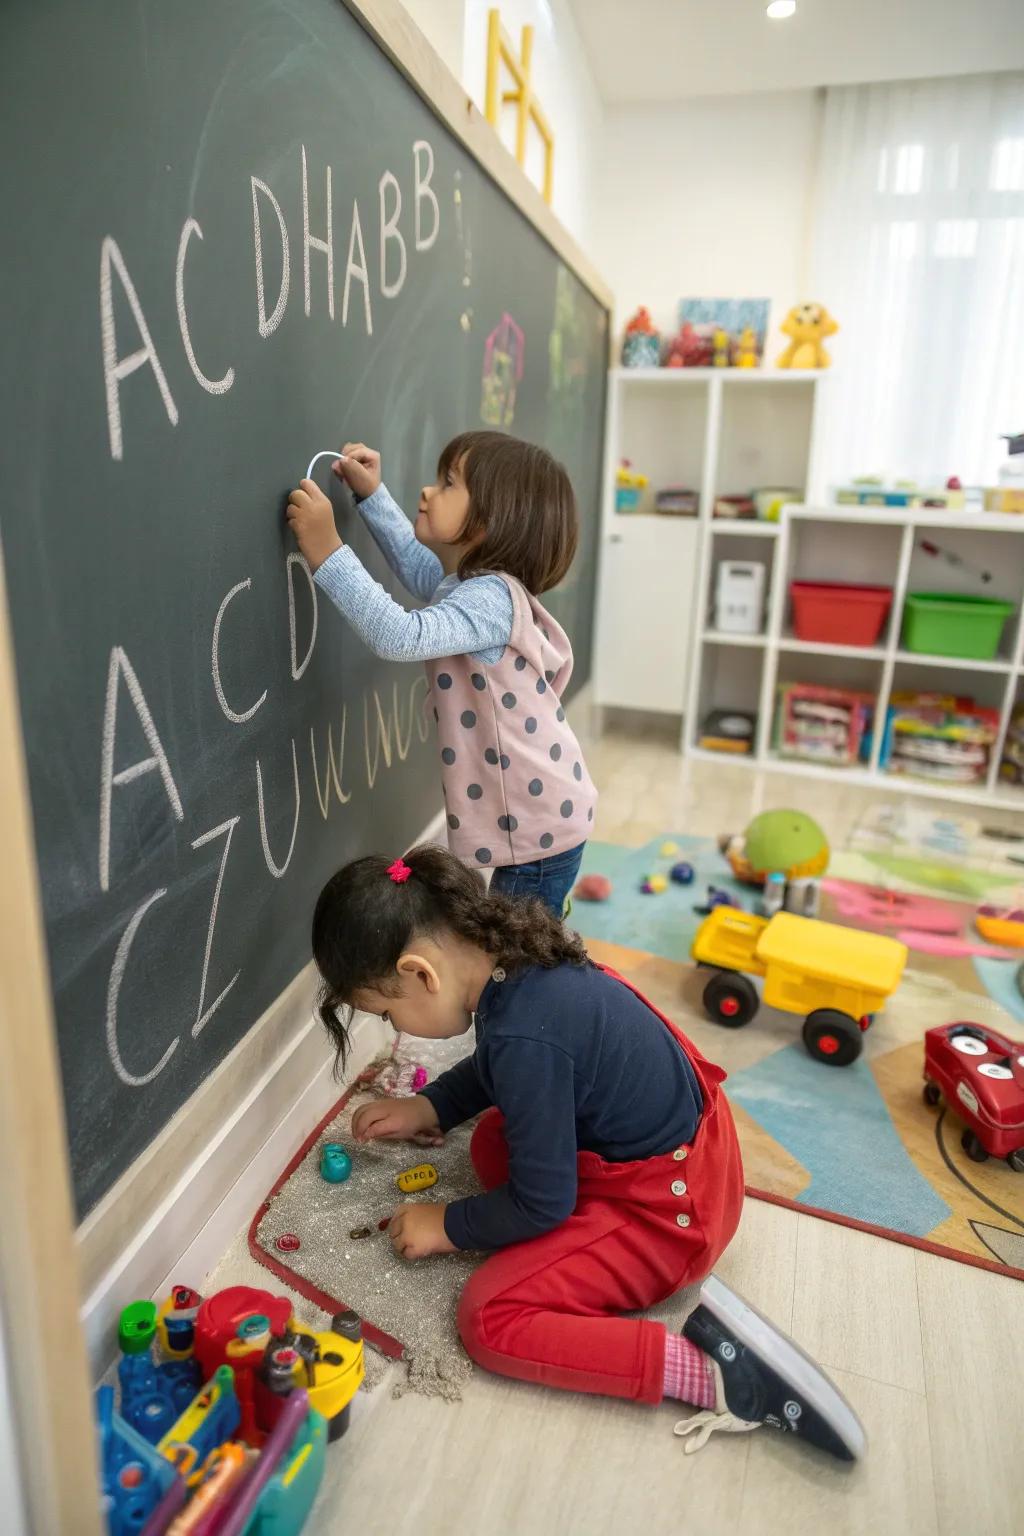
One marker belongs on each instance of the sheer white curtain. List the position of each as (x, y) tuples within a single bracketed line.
[(919, 254)]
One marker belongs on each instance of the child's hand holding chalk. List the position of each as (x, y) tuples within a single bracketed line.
[(311, 519), (359, 468)]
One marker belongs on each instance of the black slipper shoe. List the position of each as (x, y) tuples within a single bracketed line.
[(764, 1378)]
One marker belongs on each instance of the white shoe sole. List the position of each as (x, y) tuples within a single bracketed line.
[(787, 1359)]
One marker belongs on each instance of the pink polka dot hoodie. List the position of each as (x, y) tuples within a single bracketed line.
[(516, 787)]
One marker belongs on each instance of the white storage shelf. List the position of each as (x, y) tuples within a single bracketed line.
[(877, 546), (718, 431)]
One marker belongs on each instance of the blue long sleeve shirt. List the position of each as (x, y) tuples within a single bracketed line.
[(471, 617), (576, 1062)]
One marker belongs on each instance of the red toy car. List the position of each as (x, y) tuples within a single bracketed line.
[(981, 1076)]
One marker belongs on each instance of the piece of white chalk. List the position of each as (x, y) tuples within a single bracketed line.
[(325, 453)]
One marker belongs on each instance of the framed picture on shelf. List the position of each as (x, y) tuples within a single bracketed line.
[(722, 333)]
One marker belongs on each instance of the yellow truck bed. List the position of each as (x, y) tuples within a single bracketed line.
[(806, 964)]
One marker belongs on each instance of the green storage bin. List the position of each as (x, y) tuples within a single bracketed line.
[(953, 624)]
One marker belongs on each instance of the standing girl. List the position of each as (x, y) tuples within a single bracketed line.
[(606, 1150), (497, 529)]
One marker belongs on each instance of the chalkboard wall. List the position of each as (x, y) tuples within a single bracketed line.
[(232, 235)]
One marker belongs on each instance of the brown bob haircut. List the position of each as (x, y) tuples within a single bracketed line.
[(521, 500)]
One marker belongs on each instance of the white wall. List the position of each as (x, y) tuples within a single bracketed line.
[(708, 198), (561, 78)]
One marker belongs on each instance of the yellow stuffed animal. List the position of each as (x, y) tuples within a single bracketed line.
[(807, 324)]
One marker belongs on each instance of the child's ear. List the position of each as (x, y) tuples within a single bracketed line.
[(417, 970)]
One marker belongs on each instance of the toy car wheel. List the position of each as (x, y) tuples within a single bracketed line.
[(832, 1037), (1016, 1160), (973, 1147), (730, 999), (932, 1094)]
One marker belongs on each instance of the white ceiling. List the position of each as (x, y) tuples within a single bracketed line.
[(663, 50)]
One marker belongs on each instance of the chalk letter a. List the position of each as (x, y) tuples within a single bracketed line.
[(121, 666), (356, 269), (114, 368)]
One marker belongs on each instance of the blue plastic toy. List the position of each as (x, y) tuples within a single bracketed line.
[(335, 1163), (133, 1476), (683, 873), (717, 898)]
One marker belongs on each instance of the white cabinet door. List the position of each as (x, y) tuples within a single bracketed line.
[(645, 617)]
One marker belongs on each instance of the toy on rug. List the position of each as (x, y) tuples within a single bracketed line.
[(668, 849), (245, 1452), (683, 873), (653, 885), (1001, 924), (412, 1180), (838, 977), (401, 1079), (593, 888), (717, 898), (335, 1163), (980, 1074), (807, 325), (787, 843)]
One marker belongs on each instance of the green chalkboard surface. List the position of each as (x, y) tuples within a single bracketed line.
[(233, 235)]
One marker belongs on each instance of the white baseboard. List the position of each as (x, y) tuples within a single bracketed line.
[(150, 1232)]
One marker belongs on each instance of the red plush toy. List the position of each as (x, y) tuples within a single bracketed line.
[(593, 888)]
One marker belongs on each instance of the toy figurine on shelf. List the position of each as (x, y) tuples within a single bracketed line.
[(688, 349), (641, 344), (807, 325), (628, 486), (720, 343), (745, 352)]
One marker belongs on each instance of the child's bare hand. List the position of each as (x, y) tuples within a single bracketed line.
[(417, 1230), (412, 1119), (359, 468), (311, 519)]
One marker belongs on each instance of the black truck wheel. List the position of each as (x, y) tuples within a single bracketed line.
[(730, 999), (832, 1037)]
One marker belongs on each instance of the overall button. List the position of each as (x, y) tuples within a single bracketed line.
[(682, 1221), (679, 1154), (678, 1187)]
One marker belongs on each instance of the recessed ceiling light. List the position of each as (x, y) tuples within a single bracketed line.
[(778, 10)]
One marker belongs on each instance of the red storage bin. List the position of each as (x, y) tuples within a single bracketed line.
[(838, 614)]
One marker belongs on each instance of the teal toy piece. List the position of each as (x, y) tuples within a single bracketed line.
[(335, 1163), (288, 1496)]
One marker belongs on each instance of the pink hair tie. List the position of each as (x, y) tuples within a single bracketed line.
[(399, 871)]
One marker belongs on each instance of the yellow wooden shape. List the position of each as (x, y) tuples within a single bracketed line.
[(500, 51)]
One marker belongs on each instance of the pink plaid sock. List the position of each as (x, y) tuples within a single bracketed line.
[(689, 1376)]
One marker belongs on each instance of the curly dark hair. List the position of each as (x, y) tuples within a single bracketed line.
[(364, 921)]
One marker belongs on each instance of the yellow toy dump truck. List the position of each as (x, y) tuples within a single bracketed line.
[(837, 977)]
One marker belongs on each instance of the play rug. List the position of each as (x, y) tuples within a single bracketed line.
[(856, 1144)]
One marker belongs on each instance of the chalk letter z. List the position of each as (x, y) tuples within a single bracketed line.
[(203, 1016)]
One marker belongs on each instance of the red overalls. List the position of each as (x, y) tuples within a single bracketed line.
[(545, 1310)]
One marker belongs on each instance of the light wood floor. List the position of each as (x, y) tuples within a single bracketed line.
[(930, 1352)]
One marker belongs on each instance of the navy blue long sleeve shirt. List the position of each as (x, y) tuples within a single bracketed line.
[(576, 1062)]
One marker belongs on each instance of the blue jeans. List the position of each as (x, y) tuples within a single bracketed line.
[(551, 879)]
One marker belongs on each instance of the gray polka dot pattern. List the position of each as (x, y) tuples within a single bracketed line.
[(507, 716)]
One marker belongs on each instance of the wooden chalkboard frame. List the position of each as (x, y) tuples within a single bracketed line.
[(46, 1267)]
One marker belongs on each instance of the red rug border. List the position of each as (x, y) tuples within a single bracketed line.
[(385, 1342), (941, 1250)]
